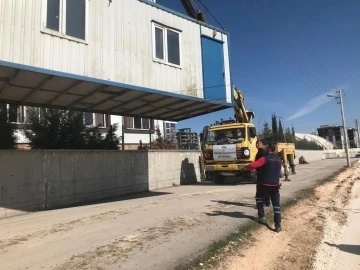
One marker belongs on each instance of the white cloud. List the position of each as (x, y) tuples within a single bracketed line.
[(311, 106)]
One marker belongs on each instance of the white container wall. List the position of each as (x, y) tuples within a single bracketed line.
[(110, 40)]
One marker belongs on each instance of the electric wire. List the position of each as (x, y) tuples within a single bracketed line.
[(212, 15), (302, 74)]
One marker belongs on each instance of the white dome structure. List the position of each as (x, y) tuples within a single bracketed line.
[(317, 139)]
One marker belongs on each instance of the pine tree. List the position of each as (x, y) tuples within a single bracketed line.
[(43, 128), (266, 134), (289, 136), (72, 130), (293, 133), (111, 141), (7, 130), (161, 143), (275, 130), (281, 132)]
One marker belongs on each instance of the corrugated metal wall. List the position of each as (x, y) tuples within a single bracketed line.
[(119, 45)]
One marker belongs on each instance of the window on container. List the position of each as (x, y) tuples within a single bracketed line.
[(53, 15), (75, 18), (166, 45), (159, 43), (173, 46)]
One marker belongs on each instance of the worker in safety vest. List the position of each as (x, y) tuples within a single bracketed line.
[(270, 185), (259, 171)]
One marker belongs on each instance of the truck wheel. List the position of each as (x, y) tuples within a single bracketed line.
[(218, 179)]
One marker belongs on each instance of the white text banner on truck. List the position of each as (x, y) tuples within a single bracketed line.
[(224, 152)]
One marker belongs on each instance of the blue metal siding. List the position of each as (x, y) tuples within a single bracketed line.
[(213, 69)]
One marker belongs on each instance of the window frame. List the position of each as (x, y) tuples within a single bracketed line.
[(142, 128), (165, 61), (22, 108), (62, 22)]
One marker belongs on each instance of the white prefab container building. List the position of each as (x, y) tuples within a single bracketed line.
[(121, 57)]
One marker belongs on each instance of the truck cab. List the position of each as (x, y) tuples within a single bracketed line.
[(227, 146)]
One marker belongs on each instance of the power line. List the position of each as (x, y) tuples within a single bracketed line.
[(284, 48), (303, 64), (208, 11), (312, 47)]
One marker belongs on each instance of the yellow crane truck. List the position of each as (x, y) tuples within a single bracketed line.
[(229, 145)]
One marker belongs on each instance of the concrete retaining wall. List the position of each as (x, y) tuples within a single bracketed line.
[(313, 155), (172, 168), (341, 153), (37, 180), (40, 180), (309, 155)]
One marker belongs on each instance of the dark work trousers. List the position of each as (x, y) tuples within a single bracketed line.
[(266, 198), (274, 194)]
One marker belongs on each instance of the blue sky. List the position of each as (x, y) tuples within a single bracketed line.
[(280, 52)]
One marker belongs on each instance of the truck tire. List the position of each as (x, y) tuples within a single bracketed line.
[(218, 179)]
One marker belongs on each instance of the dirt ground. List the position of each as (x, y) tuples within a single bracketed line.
[(157, 230), (299, 245)]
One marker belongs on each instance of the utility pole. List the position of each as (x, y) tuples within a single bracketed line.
[(358, 132), (340, 96)]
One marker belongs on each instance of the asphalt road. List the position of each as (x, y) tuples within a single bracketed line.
[(157, 230)]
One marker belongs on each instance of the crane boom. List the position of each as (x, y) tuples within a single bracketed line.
[(241, 114), (193, 11)]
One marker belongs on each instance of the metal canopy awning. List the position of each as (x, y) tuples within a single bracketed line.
[(31, 86)]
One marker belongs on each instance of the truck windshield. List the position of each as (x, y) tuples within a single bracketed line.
[(232, 135)]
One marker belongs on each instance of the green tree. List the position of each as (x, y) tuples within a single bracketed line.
[(7, 130), (304, 144), (43, 128), (293, 133), (62, 129), (281, 133), (275, 130), (72, 130), (266, 134), (93, 138), (111, 141), (289, 137), (161, 143)]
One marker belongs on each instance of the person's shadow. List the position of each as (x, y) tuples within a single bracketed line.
[(237, 214), (353, 249), (235, 203)]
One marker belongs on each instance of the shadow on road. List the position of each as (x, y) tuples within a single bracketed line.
[(353, 249), (251, 205), (234, 214), (237, 214), (135, 196)]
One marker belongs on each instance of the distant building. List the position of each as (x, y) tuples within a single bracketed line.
[(335, 135), (187, 139), (169, 131)]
